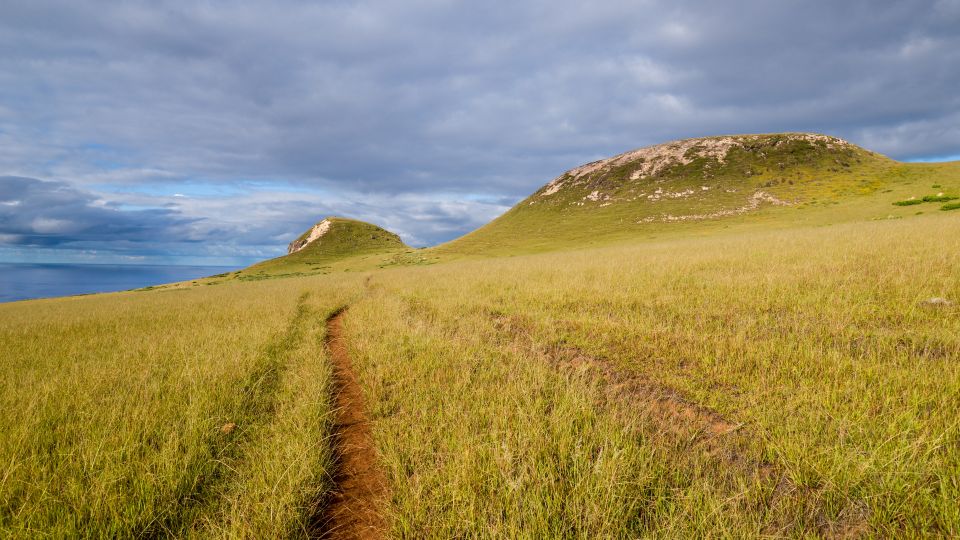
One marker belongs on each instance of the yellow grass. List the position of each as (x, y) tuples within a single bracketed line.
[(113, 407), (815, 340), (568, 394)]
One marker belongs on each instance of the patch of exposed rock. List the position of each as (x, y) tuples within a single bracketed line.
[(753, 203), (651, 160), (315, 233)]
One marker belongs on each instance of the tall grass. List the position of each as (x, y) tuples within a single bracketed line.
[(557, 395), (113, 408), (816, 340), (478, 441), (283, 473)]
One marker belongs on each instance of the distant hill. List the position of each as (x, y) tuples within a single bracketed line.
[(336, 237), (329, 241), (696, 184)]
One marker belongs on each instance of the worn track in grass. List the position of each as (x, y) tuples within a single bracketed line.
[(700, 429), (224, 448), (353, 509)]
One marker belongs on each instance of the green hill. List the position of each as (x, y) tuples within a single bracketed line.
[(330, 241), (696, 185)]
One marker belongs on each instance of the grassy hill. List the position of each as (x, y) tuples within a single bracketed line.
[(332, 240), (697, 186), (788, 371)]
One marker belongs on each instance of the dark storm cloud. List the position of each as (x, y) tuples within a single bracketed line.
[(40, 213), (389, 103)]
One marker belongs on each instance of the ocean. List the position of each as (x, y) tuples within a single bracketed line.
[(24, 281)]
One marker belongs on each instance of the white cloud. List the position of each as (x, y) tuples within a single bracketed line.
[(916, 48), (48, 226)]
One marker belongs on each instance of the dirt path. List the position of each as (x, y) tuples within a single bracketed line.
[(673, 413), (681, 423), (353, 509)]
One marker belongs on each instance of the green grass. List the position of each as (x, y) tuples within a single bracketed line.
[(559, 373), (909, 202), (939, 198), (113, 407), (815, 339)]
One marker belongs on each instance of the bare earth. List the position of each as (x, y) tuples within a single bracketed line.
[(353, 510)]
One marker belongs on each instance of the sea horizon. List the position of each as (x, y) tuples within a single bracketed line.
[(32, 281)]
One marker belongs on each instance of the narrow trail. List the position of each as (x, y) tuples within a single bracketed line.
[(352, 510), (674, 414), (683, 423)]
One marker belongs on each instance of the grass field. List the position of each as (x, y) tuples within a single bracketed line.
[(844, 388), (784, 383), (114, 408), (571, 370)]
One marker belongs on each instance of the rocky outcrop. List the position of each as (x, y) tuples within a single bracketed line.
[(651, 160), (315, 233)]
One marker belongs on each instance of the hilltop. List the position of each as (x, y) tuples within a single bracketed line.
[(329, 241), (336, 237), (692, 185)]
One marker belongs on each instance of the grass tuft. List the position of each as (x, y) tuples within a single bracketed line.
[(939, 198)]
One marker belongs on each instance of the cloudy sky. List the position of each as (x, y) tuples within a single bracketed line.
[(215, 132)]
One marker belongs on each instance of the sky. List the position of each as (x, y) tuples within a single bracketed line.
[(215, 132)]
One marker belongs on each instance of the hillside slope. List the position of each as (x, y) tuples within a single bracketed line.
[(694, 185), (331, 240)]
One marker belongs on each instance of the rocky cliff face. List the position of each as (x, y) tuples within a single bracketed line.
[(315, 233)]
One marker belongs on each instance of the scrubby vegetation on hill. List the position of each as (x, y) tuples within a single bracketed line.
[(696, 186)]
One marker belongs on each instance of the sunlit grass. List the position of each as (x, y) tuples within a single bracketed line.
[(491, 416), (816, 340), (113, 409)]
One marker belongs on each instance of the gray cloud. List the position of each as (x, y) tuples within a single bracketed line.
[(409, 113), (48, 214), (236, 228)]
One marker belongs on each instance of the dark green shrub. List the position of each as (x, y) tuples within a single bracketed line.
[(939, 198)]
